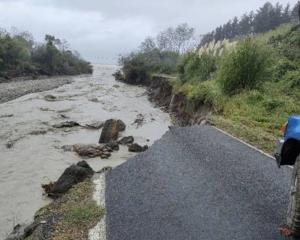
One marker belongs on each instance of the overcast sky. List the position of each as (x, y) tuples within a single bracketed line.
[(100, 30)]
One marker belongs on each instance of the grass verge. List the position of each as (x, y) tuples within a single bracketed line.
[(70, 217)]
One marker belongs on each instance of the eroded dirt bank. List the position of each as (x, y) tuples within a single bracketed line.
[(183, 111), (31, 147)]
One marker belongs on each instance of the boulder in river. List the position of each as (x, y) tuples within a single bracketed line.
[(112, 146), (71, 176), (50, 98), (111, 130), (6, 116), (126, 140), (95, 100), (90, 151), (137, 148), (68, 124), (139, 121)]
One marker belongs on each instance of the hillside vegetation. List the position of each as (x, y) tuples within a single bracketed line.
[(266, 18), (254, 88), (252, 84), (21, 56)]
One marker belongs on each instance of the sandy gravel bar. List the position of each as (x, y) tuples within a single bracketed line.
[(15, 89)]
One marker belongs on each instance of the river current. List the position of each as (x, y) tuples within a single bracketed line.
[(30, 148)]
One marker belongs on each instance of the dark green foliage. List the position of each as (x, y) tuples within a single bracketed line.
[(282, 67), (266, 18), (158, 55), (138, 67), (288, 45), (20, 56), (135, 68), (196, 68), (292, 79), (272, 104), (244, 68)]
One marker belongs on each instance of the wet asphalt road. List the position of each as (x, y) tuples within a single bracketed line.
[(197, 183)]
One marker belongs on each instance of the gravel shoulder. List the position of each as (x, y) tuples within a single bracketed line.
[(15, 89)]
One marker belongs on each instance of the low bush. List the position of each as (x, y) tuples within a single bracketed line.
[(292, 78), (137, 68), (244, 68), (195, 68), (282, 67)]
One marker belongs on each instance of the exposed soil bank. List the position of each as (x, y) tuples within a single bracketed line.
[(183, 111)]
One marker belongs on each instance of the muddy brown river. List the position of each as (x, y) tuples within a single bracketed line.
[(30, 148)]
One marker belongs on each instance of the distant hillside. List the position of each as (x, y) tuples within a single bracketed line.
[(266, 18), (21, 56)]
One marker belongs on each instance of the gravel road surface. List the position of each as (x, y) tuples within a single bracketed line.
[(197, 183)]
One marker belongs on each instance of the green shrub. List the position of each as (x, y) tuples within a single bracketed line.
[(282, 67), (207, 92), (135, 68), (254, 97), (271, 104), (288, 44), (196, 68), (138, 67), (292, 78), (244, 68)]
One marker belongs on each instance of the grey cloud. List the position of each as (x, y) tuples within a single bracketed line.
[(100, 29)]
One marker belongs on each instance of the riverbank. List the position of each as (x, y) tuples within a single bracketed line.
[(163, 90)]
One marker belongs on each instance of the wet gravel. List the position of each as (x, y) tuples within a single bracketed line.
[(12, 90), (197, 183)]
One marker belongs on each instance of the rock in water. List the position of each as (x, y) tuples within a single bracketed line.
[(113, 146), (22, 231), (68, 124), (139, 121), (137, 148), (50, 98), (90, 151), (71, 176), (111, 129), (126, 140)]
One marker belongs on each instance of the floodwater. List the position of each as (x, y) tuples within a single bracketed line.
[(36, 157)]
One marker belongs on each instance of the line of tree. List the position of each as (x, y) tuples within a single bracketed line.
[(21, 56), (266, 18), (159, 54)]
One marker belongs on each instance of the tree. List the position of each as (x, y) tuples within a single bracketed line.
[(148, 45), (175, 39), (263, 18), (245, 24), (286, 15), (266, 18), (295, 11)]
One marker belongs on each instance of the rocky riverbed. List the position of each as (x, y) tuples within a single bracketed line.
[(17, 88), (37, 130)]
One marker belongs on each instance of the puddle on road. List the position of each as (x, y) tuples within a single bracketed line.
[(35, 156)]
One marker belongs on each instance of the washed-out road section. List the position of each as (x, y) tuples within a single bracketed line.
[(197, 183)]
